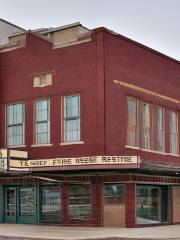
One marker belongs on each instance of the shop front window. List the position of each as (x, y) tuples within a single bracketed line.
[(51, 204), (151, 204), (113, 194), (10, 202), (27, 201), (79, 202)]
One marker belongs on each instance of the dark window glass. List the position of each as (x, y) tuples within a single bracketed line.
[(27, 201), (10, 202), (114, 193), (149, 202), (51, 204), (79, 202)]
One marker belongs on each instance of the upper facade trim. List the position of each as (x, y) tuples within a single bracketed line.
[(152, 93)]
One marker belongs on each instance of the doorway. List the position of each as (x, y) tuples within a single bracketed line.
[(20, 204), (10, 205), (114, 205), (151, 204)]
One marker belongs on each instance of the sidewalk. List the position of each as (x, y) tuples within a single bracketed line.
[(39, 232)]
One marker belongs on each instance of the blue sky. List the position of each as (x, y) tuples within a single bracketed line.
[(155, 23)]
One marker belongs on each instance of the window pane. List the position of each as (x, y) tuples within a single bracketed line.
[(51, 204), (146, 124), (42, 115), (132, 122), (151, 204), (42, 127), (10, 114), (72, 130), (27, 201), (173, 132), (42, 121), (71, 106), (42, 138), (114, 194), (160, 116), (79, 202), (15, 119), (72, 118)]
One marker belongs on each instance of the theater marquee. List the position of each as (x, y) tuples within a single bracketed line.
[(78, 161)]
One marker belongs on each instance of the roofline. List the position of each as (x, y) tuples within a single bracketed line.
[(12, 24), (65, 27), (49, 30), (99, 29)]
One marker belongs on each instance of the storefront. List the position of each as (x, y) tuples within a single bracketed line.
[(31, 204), (105, 199), (37, 191)]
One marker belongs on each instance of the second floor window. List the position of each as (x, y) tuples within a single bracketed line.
[(146, 126), (71, 118), (42, 121), (132, 122), (15, 124), (160, 129), (173, 132)]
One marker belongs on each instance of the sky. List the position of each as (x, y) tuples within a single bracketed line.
[(154, 23)]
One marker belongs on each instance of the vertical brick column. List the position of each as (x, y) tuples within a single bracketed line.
[(64, 203), (97, 192), (130, 204), (170, 204)]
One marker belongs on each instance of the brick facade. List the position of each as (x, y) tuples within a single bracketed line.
[(104, 71)]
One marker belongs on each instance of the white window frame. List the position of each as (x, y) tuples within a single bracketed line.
[(18, 124), (43, 121), (64, 139), (137, 129)]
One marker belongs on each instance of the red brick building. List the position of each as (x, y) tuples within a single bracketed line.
[(95, 117)]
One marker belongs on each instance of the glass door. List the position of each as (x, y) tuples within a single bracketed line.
[(27, 204), (50, 204), (148, 204), (10, 205)]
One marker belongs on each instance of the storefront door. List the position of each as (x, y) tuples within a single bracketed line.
[(20, 204), (114, 206), (10, 205), (151, 204)]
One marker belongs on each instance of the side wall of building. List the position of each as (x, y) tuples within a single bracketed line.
[(6, 30), (145, 74)]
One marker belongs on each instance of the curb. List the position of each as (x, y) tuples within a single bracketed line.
[(108, 238)]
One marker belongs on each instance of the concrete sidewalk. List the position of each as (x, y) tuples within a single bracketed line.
[(39, 232)]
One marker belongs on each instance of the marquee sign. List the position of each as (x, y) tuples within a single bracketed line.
[(78, 161)]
